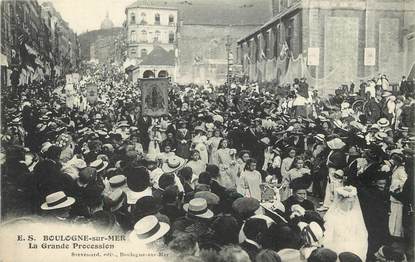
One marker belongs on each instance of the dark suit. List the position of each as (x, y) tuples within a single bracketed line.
[(172, 212), (373, 110), (337, 159), (251, 249), (289, 202)]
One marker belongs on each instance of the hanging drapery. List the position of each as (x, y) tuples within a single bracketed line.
[(295, 70)]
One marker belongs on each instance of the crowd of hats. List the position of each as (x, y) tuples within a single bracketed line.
[(147, 203)]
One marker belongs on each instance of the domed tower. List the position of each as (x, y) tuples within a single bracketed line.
[(107, 23)]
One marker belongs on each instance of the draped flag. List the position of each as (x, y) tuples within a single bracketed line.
[(154, 96), (284, 49)]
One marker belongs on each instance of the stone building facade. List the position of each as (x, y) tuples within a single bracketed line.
[(203, 28), (331, 42), (152, 32), (35, 41)]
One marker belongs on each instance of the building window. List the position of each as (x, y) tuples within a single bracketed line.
[(157, 36), (283, 5), (143, 52), (171, 37), (143, 36), (157, 19), (132, 19), (133, 52), (171, 19), (133, 37), (143, 18)]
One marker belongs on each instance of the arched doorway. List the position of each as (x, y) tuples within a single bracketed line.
[(163, 73), (148, 74)]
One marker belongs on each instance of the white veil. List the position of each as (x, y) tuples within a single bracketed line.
[(344, 224)]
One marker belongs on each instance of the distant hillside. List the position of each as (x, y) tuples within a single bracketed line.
[(86, 39)]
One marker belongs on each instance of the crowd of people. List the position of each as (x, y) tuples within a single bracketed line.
[(232, 173)]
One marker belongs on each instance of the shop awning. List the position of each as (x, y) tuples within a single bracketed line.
[(30, 50), (3, 60)]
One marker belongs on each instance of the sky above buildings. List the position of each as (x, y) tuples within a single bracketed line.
[(83, 15)]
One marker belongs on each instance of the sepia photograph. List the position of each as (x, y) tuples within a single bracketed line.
[(207, 130)]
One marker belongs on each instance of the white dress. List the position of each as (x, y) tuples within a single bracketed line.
[(345, 227), (227, 167), (154, 144), (252, 181), (399, 177), (285, 191), (200, 146)]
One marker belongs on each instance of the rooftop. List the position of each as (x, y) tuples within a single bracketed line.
[(159, 56), (215, 12)]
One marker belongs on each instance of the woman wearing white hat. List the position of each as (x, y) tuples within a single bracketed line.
[(335, 160)]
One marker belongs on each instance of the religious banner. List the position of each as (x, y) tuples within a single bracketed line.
[(76, 78), (370, 56), (69, 79), (91, 93), (154, 96)]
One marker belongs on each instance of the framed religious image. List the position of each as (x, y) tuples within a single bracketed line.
[(92, 93), (154, 96), (207, 130)]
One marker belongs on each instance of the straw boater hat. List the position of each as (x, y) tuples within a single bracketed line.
[(313, 231), (265, 141), (335, 143), (338, 173), (383, 122), (198, 207), (148, 229), (172, 164), (123, 124), (380, 135), (345, 105), (99, 165), (117, 181), (320, 137), (337, 123), (200, 128), (57, 200), (115, 200), (374, 127)]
